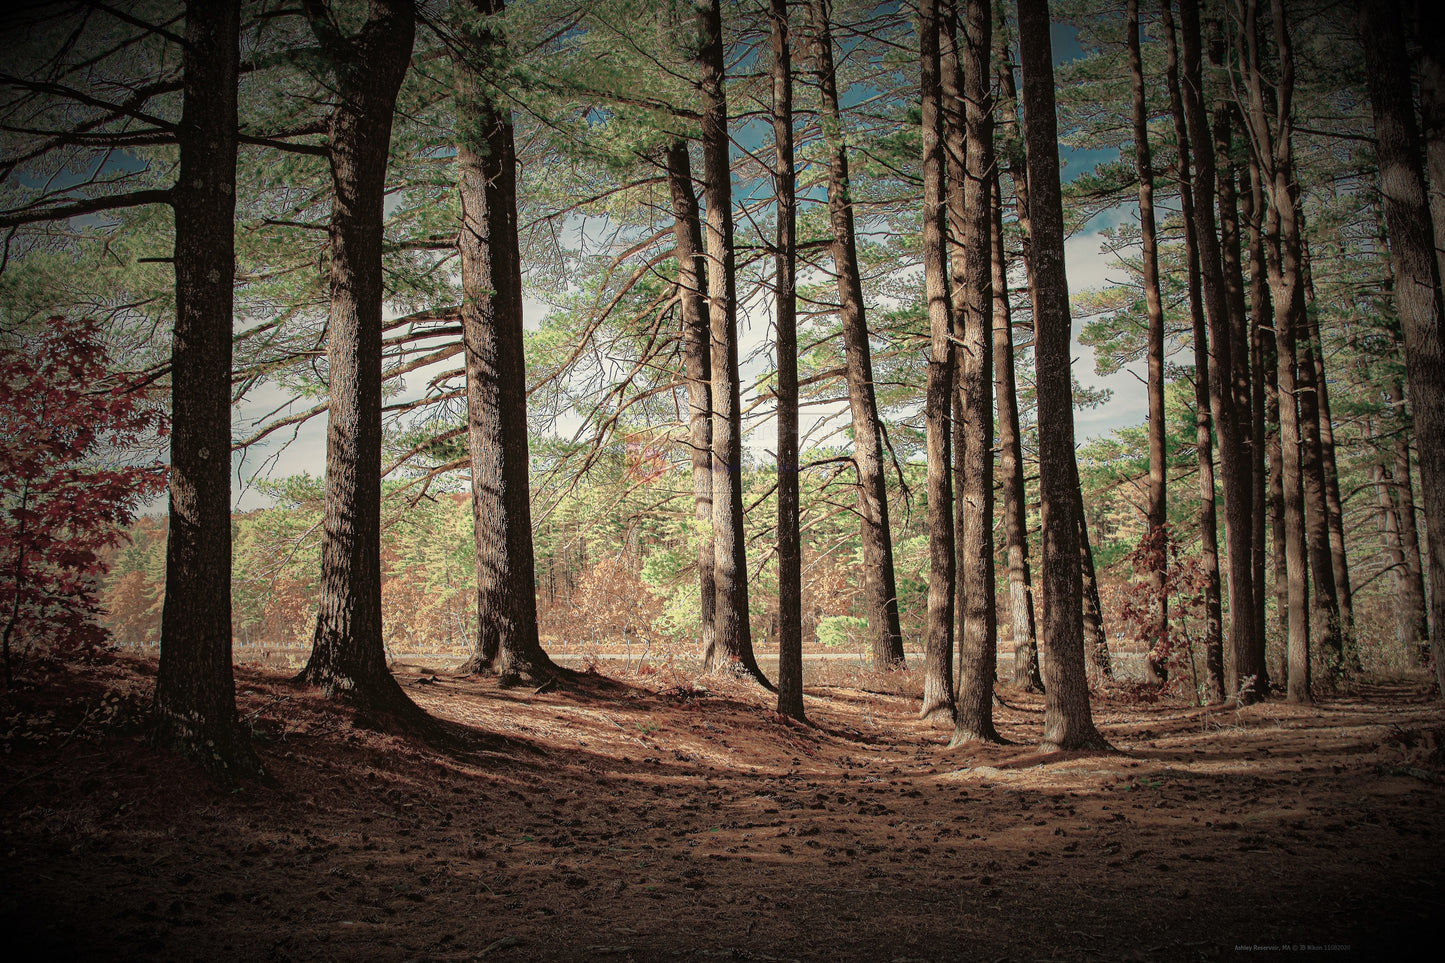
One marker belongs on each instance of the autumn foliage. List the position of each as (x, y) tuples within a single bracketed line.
[(69, 483)]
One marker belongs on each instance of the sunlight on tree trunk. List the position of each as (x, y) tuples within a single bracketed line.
[(938, 696), (1068, 720), (507, 642), (790, 553), (880, 591), (348, 656)]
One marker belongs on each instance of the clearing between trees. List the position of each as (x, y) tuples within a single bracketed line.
[(643, 817)]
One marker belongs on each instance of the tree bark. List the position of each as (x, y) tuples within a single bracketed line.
[(1416, 632), (1233, 457), (1068, 721), (1011, 468), (955, 146), (1417, 281), (978, 641), (790, 553), (1244, 665), (1154, 669), (1264, 232), (1157, 515), (1388, 525), (1328, 626), (1409, 601), (1325, 628), (938, 692), (732, 632), (491, 315), (1261, 361), (1333, 506), (1287, 295), (1026, 673), (696, 337), (1426, 25), (1096, 639), (348, 656), (194, 711), (880, 591)]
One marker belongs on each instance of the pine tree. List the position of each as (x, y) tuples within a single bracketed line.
[(1068, 721)]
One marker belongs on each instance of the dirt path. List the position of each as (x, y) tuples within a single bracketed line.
[(644, 821)]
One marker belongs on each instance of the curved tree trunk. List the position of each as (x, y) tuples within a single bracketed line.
[(491, 274), (1068, 720), (194, 712), (348, 656), (880, 592), (696, 338), (938, 691), (790, 553), (733, 639)]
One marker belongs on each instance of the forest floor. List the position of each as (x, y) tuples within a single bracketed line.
[(646, 818)]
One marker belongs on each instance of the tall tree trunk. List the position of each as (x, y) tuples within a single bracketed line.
[(1244, 665), (491, 273), (1327, 626), (1334, 511), (1068, 721), (880, 593), (1417, 281), (1286, 291), (1203, 437), (1233, 457), (732, 638), (194, 711), (1026, 673), (1416, 635), (1261, 360), (955, 147), (978, 641), (790, 553), (692, 285), (1157, 514), (938, 693), (348, 655), (1263, 251), (1011, 468), (1245, 678)]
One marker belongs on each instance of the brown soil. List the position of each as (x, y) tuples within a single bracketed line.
[(641, 819)]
